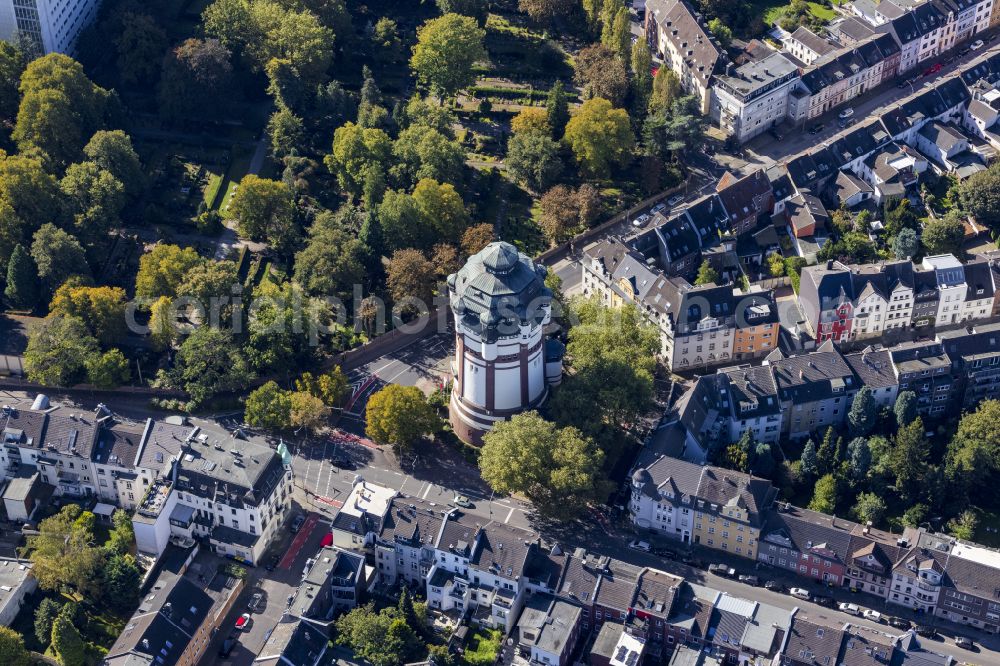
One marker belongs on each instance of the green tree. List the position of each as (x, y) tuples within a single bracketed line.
[(307, 411), (964, 525), (601, 73), (425, 152), (824, 498), (557, 109), (617, 34), (905, 408), (330, 387), (666, 90), (763, 460), (141, 45), (533, 159), (12, 650), (22, 280), (869, 507), (12, 64), (859, 459), (642, 74), (265, 211), (914, 516), (973, 457), (101, 309), (979, 194), (122, 581), (909, 459), (207, 363), (356, 150), (45, 615), (775, 264), (944, 235), (58, 256), (739, 453), (544, 11), (706, 274), (58, 349), (863, 413), (284, 327), (29, 197), (67, 643), (121, 540), (209, 283), (906, 244), (268, 407), (383, 639), (558, 469), (286, 132), (809, 459), (441, 208), (385, 38), (197, 76), (400, 416), (62, 555), (445, 51), (108, 370), (112, 151), (163, 270), (600, 136), (720, 31), (826, 453), (477, 9), (95, 198), (332, 261)]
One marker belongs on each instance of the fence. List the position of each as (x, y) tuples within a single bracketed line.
[(773, 283)]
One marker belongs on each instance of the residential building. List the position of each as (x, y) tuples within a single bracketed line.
[(805, 45), (753, 98), (548, 630), (826, 295), (16, 583), (745, 200), (50, 25), (617, 646), (969, 595), (925, 370), (335, 581), (295, 642), (406, 541), (815, 390), (952, 289), (975, 359), (753, 404), (917, 578), (715, 507), (362, 515)]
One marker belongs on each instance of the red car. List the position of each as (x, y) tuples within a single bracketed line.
[(933, 69), (243, 623)]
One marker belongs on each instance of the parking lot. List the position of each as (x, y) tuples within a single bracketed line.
[(274, 586)]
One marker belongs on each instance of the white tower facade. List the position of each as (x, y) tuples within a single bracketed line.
[(502, 363)]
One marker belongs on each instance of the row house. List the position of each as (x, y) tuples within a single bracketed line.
[(752, 396), (826, 297), (975, 359), (692, 503), (752, 98), (406, 541), (805, 45), (547, 630), (971, 593), (925, 370), (815, 390), (678, 36)]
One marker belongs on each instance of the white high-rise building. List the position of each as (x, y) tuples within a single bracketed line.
[(53, 25), (503, 363)]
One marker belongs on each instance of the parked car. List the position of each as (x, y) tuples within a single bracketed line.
[(721, 570), (243, 623), (297, 523), (976, 45), (640, 545), (749, 580), (900, 623), (641, 220), (227, 647), (255, 601), (272, 564), (872, 615), (964, 642), (463, 501), (964, 52), (343, 462), (816, 129), (674, 200), (775, 133), (927, 631), (821, 600), (774, 586), (850, 609), (933, 69), (664, 553), (846, 113), (657, 208), (799, 592)]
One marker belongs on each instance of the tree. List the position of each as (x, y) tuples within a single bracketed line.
[(445, 51), (906, 245), (441, 208), (330, 387), (775, 264), (869, 508), (763, 460), (108, 370), (558, 469), (400, 416), (112, 151), (286, 132), (268, 407), (401, 222), (96, 199), (265, 211), (738, 454), (914, 516), (964, 525), (410, 275), (61, 554), (45, 615), (57, 351), (557, 109), (140, 44), (909, 459), (122, 581), (533, 159), (824, 498), (826, 455), (477, 9), (809, 459), (163, 269), (385, 38), (559, 213), (12, 64), (979, 194), (22, 280), (355, 151), (859, 459), (210, 283), (67, 643), (121, 539), (383, 639), (973, 456), (601, 72), (707, 274), (720, 31), (284, 327), (197, 76), (474, 239), (208, 362), (544, 11), (29, 197), (600, 137), (101, 309), (12, 650), (864, 412), (944, 235), (58, 256), (616, 34), (307, 411), (666, 90), (426, 152), (905, 408), (445, 260), (642, 74), (332, 262)]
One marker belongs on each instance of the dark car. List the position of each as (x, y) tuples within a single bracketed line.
[(227, 647), (664, 553), (343, 463), (965, 643), (900, 623), (816, 129), (774, 586), (273, 563), (823, 601), (927, 631), (297, 523), (749, 580), (255, 601)]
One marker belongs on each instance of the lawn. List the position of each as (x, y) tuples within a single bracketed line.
[(482, 647), (771, 11), (237, 169)]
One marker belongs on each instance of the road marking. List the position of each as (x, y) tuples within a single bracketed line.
[(427, 492), (299, 541), (329, 500), (511, 513)]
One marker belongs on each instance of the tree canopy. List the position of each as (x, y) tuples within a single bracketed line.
[(445, 51), (400, 416)]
